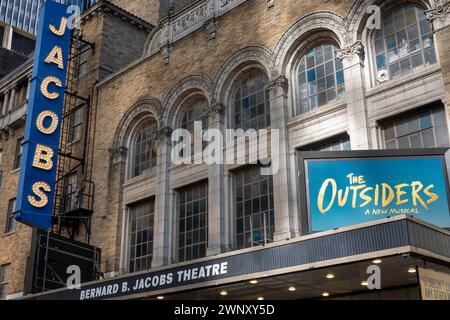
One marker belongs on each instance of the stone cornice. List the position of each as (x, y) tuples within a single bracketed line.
[(16, 75)]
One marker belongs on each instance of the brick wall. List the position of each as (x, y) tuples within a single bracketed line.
[(147, 10), (14, 247)]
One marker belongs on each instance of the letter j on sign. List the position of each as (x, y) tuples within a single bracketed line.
[(35, 193)]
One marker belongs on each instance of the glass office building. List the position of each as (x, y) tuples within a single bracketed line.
[(23, 14)]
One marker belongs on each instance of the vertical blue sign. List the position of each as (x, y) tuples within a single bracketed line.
[(35, 195)]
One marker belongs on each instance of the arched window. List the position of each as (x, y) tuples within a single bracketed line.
[(251, 102), (144, 149), (405, 42), (195, 113), (320, 78)]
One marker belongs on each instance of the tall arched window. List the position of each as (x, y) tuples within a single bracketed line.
[(320, 78), (404, 42), (144, 149), (195, 113), (251, 102)]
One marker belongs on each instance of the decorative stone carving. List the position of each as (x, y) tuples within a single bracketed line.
[(214, 110), (349, 52), (119, 154), (211, 27), (440, 14), (165, 54), (279, 83), (170, 9), (163, 135), (356, 15), (181, 24), (190, 21)]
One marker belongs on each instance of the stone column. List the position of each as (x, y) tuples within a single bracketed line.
[(12, 99), (219, 238), (163, 245), (5, 104), (286, 219), (353, 59), (27, 96), (439, 17), (117, 175)]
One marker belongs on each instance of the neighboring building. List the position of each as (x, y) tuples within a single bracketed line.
[(24, 14), (311, 70), (18, 26)]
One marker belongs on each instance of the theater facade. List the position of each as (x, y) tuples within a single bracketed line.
[(356, 95)]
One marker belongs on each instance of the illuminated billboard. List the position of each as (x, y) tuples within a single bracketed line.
[(35, 193), (356, 187)]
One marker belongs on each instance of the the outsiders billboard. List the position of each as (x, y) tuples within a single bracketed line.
[(348, 188), (42, 130)]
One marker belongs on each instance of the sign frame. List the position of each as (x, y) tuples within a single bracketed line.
[(304, 156), (38, 168), (423, 272)]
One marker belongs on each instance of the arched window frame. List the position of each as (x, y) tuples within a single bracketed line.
[(184, 106), (235, 85), (370, 36), (138, 128), (325, 38)]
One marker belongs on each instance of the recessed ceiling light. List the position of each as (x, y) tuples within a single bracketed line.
[(292, 289), (330, 276), (325, 294), (260, 298), (223, 293), (364, 283), (160, 297), (377, 261), (254, 281), (412, 270)]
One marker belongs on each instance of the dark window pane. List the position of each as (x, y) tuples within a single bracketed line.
[(255, 202), (417, 130), (141, 235), (194, 227)]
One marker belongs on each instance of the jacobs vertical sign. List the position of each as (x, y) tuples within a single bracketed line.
[(43, 125)]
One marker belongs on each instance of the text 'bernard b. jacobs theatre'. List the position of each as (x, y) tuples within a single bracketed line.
[(224, 150)]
